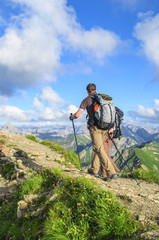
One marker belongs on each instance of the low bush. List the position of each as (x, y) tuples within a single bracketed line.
[(81, 211), (146, 175), (33, 138)]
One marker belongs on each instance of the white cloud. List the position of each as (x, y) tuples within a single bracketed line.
[(147, 31), (11, 113), (145, 112), (146, 115), (156, 102), (50, 96), (46, 107), (37, 105), (49, 106), (32, 44)]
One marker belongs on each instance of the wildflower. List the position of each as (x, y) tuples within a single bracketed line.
[(67, 233), (86, 202), (25, 215), (69, 210), (86, 215), (57, 207), (108, 199), (71, 181), (62, 211), (84, 188), (78, 204), (29, 229), (26, 203), (82, 197), (82, 215), (74, 189)]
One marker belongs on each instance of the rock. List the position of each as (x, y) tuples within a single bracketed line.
[(22, 205), (141, 217), (19, 161), (14, 176), (154, 235), (37, 212), (20, 153), (53, 198), (29, 198), (12, 183)]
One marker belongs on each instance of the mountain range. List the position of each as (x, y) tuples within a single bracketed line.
[(138, 134), (132, 136)]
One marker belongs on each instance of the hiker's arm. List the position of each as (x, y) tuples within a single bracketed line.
[(77, 114)]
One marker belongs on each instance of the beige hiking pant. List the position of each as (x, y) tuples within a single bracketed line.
[(98, 136)]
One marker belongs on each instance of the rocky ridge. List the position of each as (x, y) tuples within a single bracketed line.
[(141, 200)]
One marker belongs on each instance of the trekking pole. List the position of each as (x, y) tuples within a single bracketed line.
[(120, 155), (75, 139)]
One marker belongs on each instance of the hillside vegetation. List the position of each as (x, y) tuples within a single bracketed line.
[(144, 156), (45, 196)]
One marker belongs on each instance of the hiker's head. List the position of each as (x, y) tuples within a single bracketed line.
[(91, 88)]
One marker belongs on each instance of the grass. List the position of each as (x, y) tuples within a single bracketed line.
[(70, 157), (33, 138), (146, 175), (2, 141), (81, 211), (8, 169), (53, 146)]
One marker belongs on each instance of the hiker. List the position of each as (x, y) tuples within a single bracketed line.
[(97, 136)]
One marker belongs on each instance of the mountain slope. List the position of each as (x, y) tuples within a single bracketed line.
[(144, 156), (142, 201)]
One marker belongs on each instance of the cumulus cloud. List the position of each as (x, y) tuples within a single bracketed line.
[(156, 102), (47, 107), (33, 42), (11, 113), (148, 115), (50, 96), (147, 31)]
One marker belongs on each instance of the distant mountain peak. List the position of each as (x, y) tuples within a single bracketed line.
[(9, 128)]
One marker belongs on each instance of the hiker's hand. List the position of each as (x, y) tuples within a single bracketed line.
[(71, 117), (111, 131)]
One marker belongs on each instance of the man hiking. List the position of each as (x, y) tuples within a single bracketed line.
[(97, 136)]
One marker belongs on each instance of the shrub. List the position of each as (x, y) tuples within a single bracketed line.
[(33, 138), (81, 211), (71, 158), (85, 212), (2, 141), (146, 175), (53, 146)]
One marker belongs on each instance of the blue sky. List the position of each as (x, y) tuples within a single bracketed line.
[(51, 49)]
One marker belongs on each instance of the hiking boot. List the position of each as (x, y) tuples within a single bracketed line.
[(92, 173), (107, 179), (114, 176)]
